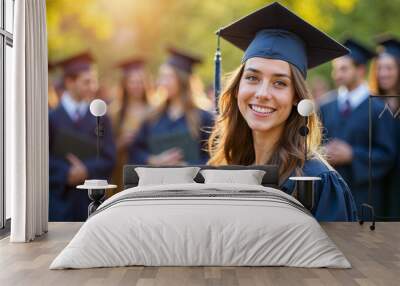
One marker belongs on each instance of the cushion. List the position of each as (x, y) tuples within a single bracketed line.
[(162, 176), (248, 177)]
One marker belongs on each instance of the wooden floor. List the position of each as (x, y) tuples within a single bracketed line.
[(375, 257)]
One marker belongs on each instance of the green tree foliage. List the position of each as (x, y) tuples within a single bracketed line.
[(115, 30), (72, 27)]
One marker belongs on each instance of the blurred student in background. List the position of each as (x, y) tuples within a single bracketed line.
[(386, 78), (345, 121), (175, 133), (72, 142), (129, 110)]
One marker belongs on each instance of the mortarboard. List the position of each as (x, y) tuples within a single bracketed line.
[(76, 64), (275, 32), (390, 45), (131, 64), (358, 52), (182, 60)]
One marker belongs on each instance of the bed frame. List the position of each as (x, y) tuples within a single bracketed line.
[(270, 179)]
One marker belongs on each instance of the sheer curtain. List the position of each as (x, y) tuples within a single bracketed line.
[(27, 124)]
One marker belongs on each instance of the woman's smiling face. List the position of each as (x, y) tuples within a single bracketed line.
[(266, 93)]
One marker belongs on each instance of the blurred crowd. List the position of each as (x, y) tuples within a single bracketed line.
[(165, 119)]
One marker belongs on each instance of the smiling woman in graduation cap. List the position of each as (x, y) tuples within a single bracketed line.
[(176, 132), (258, 121)]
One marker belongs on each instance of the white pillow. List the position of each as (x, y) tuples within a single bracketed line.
[(248, 177), (164, 176)]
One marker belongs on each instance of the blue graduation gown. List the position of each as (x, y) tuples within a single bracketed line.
[(139, 151), (66, 203), (353, 129), (333, 199), (392, 195)]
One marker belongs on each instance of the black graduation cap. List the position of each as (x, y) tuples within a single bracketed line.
[(358, 52), (391, 45), (275, 32), (182, 60), (76, 64), (131, 64)]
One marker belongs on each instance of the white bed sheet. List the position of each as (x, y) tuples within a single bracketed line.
[(192, 231)]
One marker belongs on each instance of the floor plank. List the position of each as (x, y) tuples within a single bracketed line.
[(374, 255)]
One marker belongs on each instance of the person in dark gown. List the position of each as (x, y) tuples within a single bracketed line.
[(386, 79), (176, 132), (72, 142), (345, 121), (129, 110), (259, 122)]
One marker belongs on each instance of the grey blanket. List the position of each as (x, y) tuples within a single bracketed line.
[(203, 194)]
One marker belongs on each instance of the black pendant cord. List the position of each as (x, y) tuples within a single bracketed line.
[(305, 140), (369, 206), (98, 137), (217, 74), (370, 151), (304, 132)]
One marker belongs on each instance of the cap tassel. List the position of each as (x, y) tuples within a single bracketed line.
[(217, 74)]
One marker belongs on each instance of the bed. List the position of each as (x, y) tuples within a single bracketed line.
[(201, 224)]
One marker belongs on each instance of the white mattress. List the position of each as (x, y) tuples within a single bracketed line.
[(189, 231)]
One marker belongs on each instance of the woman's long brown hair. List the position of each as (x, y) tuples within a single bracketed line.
[(231, 141), (125, 99)]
